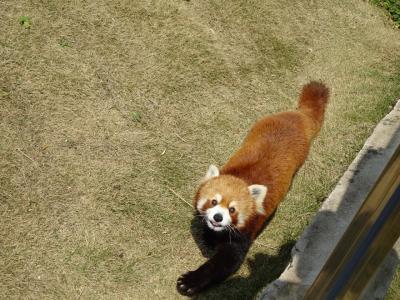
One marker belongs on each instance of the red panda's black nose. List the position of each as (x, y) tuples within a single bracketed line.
[(218, 217)]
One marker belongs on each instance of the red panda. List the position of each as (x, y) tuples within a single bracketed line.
[(237, 201)]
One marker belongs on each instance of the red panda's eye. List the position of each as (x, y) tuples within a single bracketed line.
[(231, 210), (214, 202)]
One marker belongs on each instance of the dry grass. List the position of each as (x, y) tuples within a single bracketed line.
[(394, 290), (111, 108)]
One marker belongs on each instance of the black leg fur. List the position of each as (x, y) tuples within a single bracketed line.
[(228, 258)]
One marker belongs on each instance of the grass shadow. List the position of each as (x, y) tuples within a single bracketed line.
[(264, 268)]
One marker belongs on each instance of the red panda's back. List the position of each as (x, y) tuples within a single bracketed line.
[(274, 149)]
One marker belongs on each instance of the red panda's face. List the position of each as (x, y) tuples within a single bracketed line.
[(227, 202)]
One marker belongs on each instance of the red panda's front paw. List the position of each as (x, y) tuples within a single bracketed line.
[(190, 283)]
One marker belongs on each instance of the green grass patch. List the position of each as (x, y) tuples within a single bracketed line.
[(25, 22), (63, 42), (392, 6)]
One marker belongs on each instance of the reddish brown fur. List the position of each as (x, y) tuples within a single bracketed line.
[(237, 191), (275, 149), (313, 100)]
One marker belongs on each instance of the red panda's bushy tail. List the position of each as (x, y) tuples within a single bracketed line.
[(313, 100)]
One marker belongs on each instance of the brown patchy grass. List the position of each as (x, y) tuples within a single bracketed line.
[(108, 105), (394, 290)]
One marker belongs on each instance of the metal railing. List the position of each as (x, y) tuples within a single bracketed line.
[(368, 239)]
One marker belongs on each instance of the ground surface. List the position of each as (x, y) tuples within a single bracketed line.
[(110, 109)]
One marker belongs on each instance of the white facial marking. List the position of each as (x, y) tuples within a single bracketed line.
[(214, 225), (241, 219), (218, 197), (201, 203)]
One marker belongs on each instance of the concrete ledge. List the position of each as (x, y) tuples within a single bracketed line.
[(321, 236)]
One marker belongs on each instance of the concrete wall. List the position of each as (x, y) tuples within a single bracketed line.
[(321, 236)]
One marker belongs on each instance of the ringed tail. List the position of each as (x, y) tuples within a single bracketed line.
[(313, 100)]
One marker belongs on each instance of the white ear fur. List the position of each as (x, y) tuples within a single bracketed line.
[(258, 192), (212, 172)]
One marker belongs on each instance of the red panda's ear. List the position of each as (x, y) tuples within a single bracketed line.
[(258, 192), (212, 172)]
